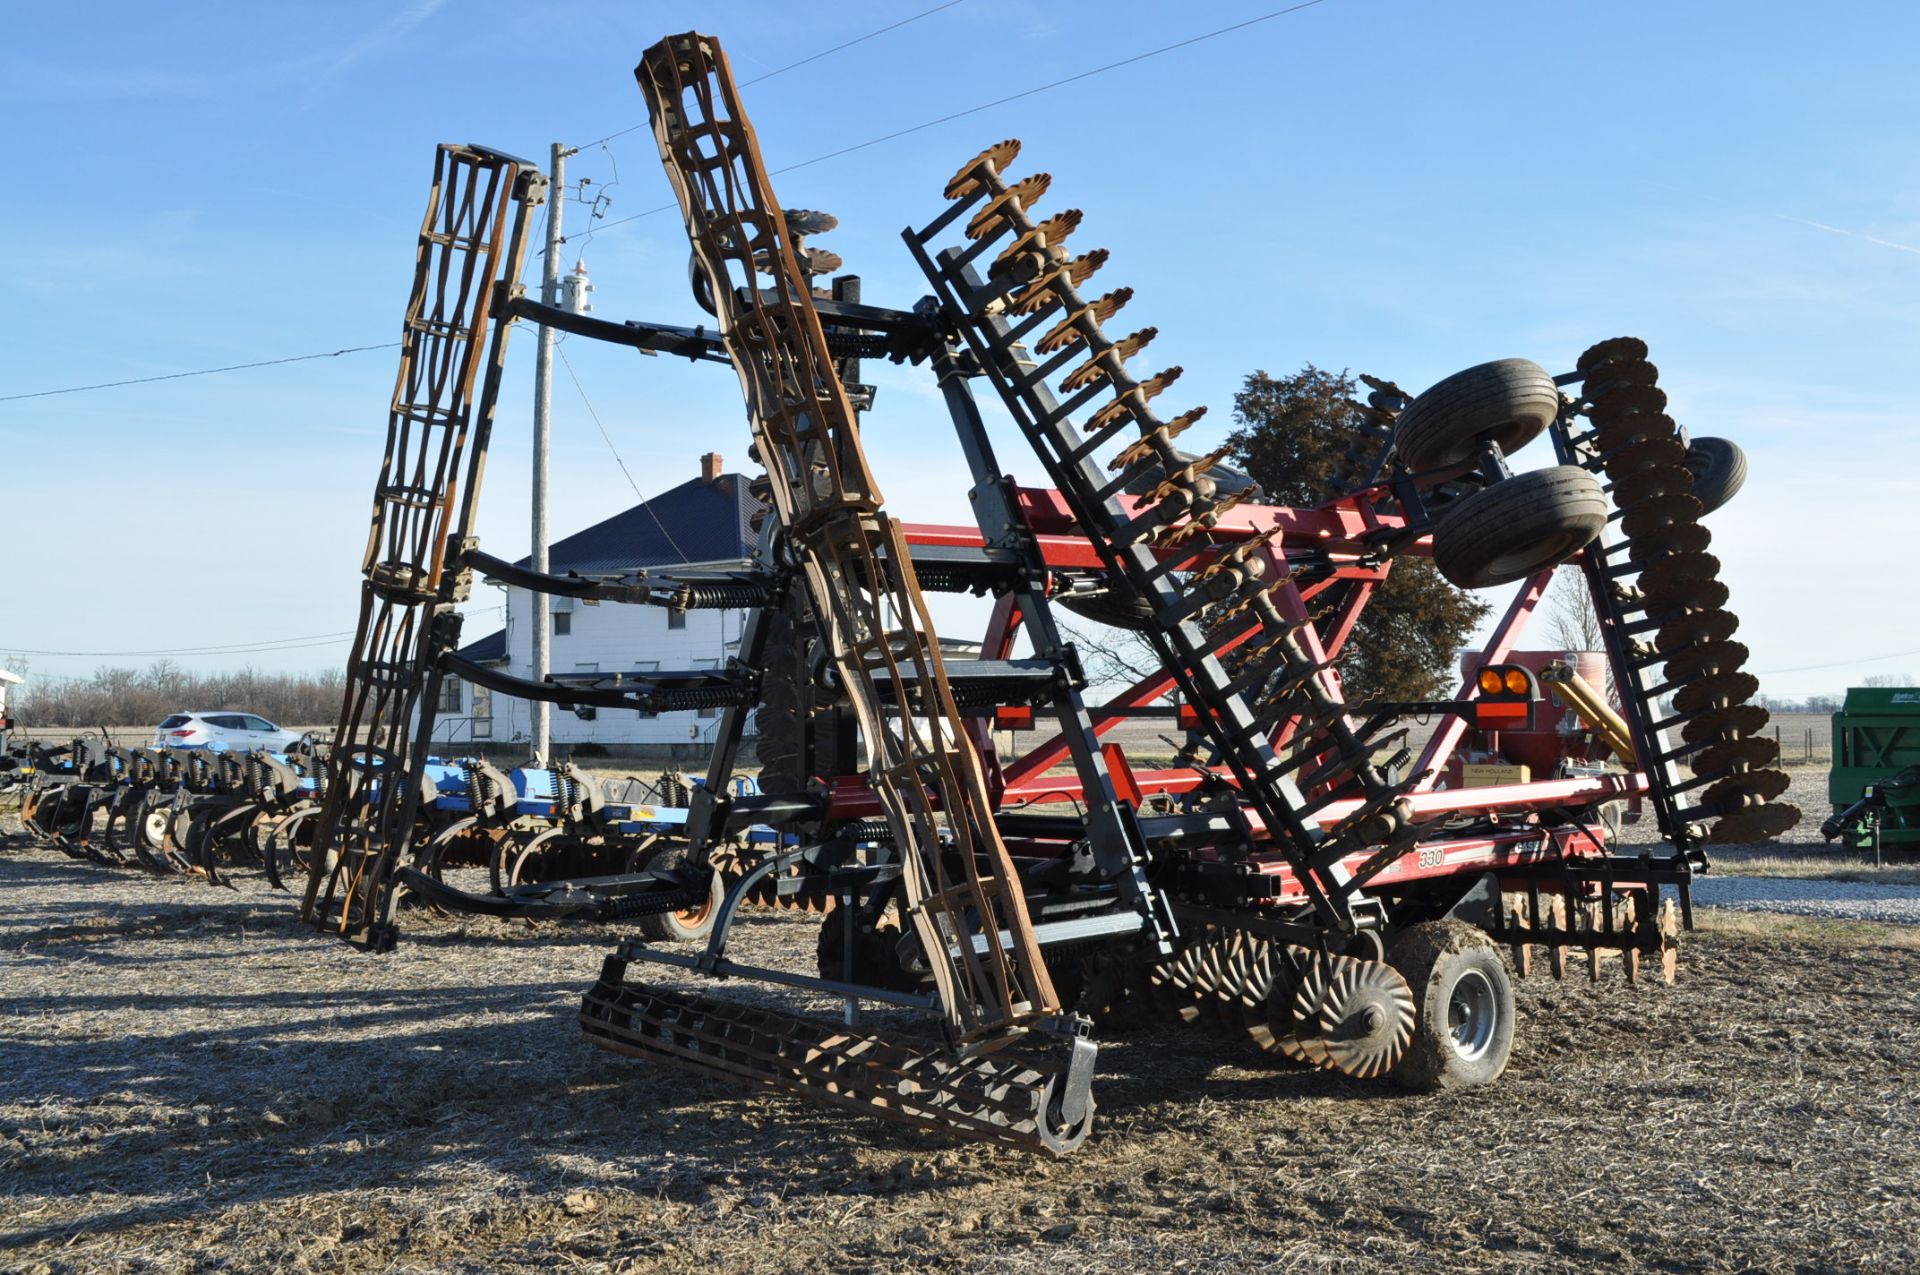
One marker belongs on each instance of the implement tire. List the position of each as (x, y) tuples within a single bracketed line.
[(1512, 529), (1511, 401), (1719, 471), (689, 925), (1463, 1006), (789, 699)]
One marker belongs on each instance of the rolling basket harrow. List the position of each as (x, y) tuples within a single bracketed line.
[(1300, 877)]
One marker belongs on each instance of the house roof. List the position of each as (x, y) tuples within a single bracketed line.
[(698, 521), (486, 650)]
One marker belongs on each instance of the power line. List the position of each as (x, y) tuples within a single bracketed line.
[(1864, 659), (644, 502), (205, 371), (998, 101), (815, 57), (805, 163), (234, 648)]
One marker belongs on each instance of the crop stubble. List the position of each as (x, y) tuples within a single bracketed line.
[(190, 1080)]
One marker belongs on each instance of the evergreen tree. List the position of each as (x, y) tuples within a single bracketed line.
[(1292, 435)]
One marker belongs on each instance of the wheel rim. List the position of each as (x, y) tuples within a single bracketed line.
[(1473, 1012), (695, 915)]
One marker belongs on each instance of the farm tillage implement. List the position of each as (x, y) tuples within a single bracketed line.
[(1299, 876)]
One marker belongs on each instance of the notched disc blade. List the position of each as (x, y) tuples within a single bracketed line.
[(1366, 1019), (1621, 411), (1693, 662), (1745, 791), (806, 221), (1670, 574), (996, 156), (1644, 484), (1656, 512), (1690, 627), (1724, 723), (1758, 824), (1751, 753), (1620, 374), (1701, 595), (1610, 350), (1679, 537), (1715, 690), (1643, 443)]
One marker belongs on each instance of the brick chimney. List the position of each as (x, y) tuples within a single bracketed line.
[(711, 466)]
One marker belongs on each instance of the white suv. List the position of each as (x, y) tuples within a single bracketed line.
[(240, 731)]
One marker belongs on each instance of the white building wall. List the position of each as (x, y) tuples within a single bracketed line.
[(608, 638)]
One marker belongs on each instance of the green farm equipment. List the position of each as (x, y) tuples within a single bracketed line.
[(1876, 759)]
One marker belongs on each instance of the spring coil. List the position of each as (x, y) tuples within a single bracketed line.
[(694, 596), (627, 907)]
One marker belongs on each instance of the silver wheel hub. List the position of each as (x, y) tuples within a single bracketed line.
[(1473, 1015)]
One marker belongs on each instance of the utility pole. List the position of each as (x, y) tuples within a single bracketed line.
[(542, 419)]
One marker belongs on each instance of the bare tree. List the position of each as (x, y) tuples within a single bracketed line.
[(1112, 657), (1572, 622), (1889, 679), (141, 697)]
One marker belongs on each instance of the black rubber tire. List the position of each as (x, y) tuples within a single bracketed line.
[(778, 721), (1719, 471), (1511, 401), (692, 925), (1439, 959), (1512, 529)]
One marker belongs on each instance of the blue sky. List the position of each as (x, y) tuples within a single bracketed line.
[(1392, 187)]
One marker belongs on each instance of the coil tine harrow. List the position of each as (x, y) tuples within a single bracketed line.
[(858, 573), (472, 242)]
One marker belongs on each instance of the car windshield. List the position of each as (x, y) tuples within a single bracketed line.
[(178, 719)]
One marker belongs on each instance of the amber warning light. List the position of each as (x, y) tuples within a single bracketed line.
[(1505, 702)]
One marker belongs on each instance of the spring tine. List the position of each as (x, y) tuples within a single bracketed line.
[(1133, 453), (991, 219), (1184, 479), (1068, 331), (1045, 238), (995, 157), (1104, 363), (1040, 294), (1133, 402)]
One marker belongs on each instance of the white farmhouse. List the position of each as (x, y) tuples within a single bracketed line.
[(703, 525)]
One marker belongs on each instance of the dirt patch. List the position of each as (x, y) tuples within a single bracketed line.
[(192, 1081)]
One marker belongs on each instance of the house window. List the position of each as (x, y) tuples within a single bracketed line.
[(562, 623), (482, 713), (450, 695), (676, 619)]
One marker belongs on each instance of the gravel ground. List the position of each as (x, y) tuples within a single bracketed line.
[(192, 1081), (1838, 900)]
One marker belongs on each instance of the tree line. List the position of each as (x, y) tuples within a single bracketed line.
[(141, 697)]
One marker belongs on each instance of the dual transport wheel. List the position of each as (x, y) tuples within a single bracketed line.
[(1507, 530)]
